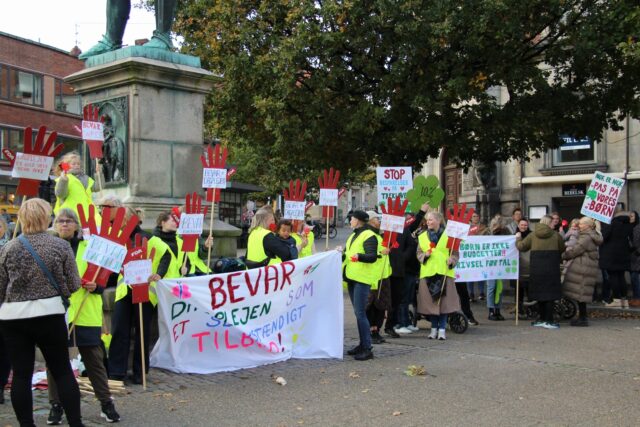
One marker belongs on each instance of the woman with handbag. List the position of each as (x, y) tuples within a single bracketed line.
[(437, 295), (38, 274), (87, 326)]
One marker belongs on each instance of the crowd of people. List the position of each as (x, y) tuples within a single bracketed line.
[(40, 281), (558, 259)]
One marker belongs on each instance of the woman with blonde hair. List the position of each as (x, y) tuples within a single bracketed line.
[(582, 270), (38, 274), (262, 244), (437, 295), (73, 187)]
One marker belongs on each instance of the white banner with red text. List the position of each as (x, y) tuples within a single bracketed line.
[(244, 319)]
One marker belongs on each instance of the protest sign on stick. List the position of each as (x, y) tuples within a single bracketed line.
[(93, 135), (393, 181), (294, 203), (458, 225), (328, 183), (425, 190), (602, 197)]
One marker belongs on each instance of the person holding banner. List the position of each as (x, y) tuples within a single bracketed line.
[(477, 229), (546, 246), (37, 277), (361, 275), (87, 333), (437, 295), (73, 186), (582, 268), (496, 286)]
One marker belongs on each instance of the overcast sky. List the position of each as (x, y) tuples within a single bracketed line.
[(55, 22)]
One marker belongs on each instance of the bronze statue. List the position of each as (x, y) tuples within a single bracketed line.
[(117, 16), (114, 154)]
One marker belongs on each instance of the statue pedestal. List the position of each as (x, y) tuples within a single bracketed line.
[(157, 112)]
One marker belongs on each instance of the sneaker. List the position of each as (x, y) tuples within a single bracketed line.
[(473, 321), (109, 412), (364, 355), (434, 334), (579, 322), (413, 328), (376, 338), (616, 303), (55, 415), (392, 333), (551, 325), (403, 330), (355, 350), (537, 324), (441, 335)]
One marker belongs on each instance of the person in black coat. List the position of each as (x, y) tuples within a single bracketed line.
[(615, 256)]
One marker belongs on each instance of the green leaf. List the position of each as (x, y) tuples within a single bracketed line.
[(426, 190), (592, 194)]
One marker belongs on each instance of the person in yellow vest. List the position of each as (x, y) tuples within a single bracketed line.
[(195, 265), (88, 326), (379, 299), (437, 295), (73, 187), (304, 239), (361, 272), (263, 247), (125, 315)]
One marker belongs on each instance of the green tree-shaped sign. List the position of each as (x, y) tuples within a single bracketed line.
[(425, 190)]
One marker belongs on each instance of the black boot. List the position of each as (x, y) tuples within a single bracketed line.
[(492, 314), (355, 350), (376, 338), (391, 333), (364, 355), (498, 315)]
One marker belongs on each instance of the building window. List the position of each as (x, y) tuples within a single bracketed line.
[(575, 151), (11, 139), (66, 99), (21, 86)]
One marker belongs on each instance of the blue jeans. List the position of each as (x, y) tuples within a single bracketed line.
[(491, 294), (359, 295), (635, 284), (408, 295), (438, 321), (471, 287)]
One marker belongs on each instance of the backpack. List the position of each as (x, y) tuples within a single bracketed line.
[(228, 265)]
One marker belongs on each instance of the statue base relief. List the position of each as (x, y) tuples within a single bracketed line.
[(161, 130)]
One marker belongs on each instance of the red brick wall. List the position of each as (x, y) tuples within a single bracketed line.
[(16, 115), (38, 58)]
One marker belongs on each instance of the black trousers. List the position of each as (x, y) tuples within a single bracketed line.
[(125, 316), (617, 283), (465, 301), (397, 289), (49, 333), (5, 365), (546, 311)]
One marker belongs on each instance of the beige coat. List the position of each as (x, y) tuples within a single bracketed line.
[(582, 272), (450, 303)]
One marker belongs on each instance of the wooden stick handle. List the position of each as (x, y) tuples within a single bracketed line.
[(144, 369), (213, 208), (326, 248), (98, 177)]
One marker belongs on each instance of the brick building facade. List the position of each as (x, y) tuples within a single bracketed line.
[(33, 93)]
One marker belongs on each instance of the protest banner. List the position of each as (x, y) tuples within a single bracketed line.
[(214, 178), (487, 258), (393, 181), (245, 319), (602, 197), (32, 166), (329, 194)]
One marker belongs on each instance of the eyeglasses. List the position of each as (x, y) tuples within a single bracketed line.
[(65, 221)]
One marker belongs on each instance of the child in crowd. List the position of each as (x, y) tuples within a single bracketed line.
[(73, 185), (283, 232)]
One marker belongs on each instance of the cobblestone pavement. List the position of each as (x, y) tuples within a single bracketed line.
[(494, 374)]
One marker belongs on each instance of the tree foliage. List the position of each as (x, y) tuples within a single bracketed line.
[(355, 83)]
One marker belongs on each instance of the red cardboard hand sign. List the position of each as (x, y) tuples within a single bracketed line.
[(193, 206), (114, 232), (459, 214), (329, 180), (395, 207), (139, 251), (27, 186), (215, 158), (91, 117), (297, 191)]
